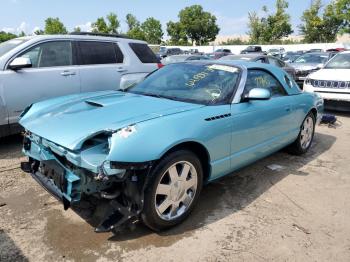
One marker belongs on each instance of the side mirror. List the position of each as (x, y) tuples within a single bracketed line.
[(258, 94), (19, 63)]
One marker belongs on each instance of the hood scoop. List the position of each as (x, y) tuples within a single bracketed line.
[(92, 103)]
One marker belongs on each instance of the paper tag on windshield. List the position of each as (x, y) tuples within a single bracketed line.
[(223, 68)]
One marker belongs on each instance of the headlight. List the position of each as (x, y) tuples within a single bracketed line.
[(307, 81)]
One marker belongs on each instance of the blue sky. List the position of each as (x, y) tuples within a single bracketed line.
[(28, 15)]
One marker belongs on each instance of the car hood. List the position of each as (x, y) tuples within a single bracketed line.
[(71, 122), (305, 66), (331, 74)]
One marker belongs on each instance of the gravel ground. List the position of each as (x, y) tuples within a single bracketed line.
[(297, 213)]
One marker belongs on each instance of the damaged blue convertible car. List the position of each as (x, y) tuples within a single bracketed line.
[(144, 153)]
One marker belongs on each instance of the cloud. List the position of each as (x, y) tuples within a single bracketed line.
[(8, 30), (87, 27), (36, 28), (22, 27), (232, 25)]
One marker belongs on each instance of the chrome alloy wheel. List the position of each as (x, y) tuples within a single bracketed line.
[(307, 131), (176, 190)]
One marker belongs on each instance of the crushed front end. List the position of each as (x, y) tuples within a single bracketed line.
[(107, 194)]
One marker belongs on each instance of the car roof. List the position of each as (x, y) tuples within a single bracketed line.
[(250, 56), (82, 37), (237, 63)]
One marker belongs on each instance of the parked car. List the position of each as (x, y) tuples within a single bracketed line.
[(144, 154), (278, 52), (183, 58), (309, 63), (263, 59), (36, 68), (253, 49), (220, 53), (332, 82), (290, 57), (164, 52)]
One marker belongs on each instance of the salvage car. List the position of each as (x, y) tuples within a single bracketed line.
[(35, 68), (145, 153), (182, 58), (309, 63), (332, 82), (267, 59)]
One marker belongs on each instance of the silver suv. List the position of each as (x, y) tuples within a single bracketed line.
[(36, 68)]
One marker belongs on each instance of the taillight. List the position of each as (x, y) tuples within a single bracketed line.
[(160, 65)]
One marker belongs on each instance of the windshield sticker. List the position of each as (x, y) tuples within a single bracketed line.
[(224, 68), (201, 75)]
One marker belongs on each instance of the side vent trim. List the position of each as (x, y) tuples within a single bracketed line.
[(217, 117)]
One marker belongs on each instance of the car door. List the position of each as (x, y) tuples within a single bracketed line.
[(260, 126), (52, 74), (100, 65)]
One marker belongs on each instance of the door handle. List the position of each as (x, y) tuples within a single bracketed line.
[(121, 69), (68, 73), (287, 108)]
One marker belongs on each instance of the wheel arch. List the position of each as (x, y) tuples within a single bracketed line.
[(199, 150)]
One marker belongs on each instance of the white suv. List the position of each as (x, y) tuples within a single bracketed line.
[(332, 82), (36, 68)]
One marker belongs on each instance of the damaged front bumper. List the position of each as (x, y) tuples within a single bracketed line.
[(112, 193)]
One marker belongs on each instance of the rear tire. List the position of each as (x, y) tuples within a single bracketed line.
[(173, 190), (304, 140)]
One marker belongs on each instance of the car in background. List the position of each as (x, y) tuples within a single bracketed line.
[(183, 58), (278, 52), (332, 82), (164, 51), (314, 50), (309, 63), (35, 68), (262, 59), (290, 57), (220, 53), (145, 154), (252, 49)]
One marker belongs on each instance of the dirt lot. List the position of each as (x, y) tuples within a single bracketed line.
[(299, 213)]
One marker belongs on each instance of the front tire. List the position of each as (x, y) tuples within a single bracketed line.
[(302, 144), (173, 190)]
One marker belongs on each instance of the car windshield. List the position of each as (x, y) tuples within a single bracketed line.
[(9, 45), (189, 82), (340, 61), (312, 58)]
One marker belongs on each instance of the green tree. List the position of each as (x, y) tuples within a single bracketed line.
[(317, 27), (22, 34), (77, 29), (54, 26), (152, 30), (136, 33), (39, 32), (271, 27), (342, 8), (109, 27), (195, 25), (132, 22), (177, 34), (4, 36), (312, 23), (100, 26), (113, 23)]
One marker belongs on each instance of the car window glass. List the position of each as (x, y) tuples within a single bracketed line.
[(260, 60), (95, 53), (144, 53), (50, 54), (274, 61), (262, 79)]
